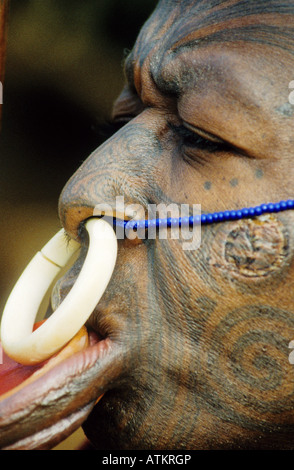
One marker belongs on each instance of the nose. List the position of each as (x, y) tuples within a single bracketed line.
[(124, 166)]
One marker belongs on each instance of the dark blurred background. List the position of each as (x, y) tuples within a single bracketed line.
[(63, 72)]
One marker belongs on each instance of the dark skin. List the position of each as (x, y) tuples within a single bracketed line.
[(201, 337), (204, 333)]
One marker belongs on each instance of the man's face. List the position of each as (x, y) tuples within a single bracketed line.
[(205, 119)]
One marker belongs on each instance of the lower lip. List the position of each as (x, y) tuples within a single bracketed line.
[(13, 374), (70, 390)]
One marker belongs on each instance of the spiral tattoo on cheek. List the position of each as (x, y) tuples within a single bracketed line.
[(249, 377), (246, 359)]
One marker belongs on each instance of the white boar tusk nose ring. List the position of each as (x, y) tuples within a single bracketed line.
[(17, 336)]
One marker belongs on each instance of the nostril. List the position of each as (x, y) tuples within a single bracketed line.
[(73, 218), (75, 209)]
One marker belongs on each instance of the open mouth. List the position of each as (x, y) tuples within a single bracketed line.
[(41, 405), (45, 393)]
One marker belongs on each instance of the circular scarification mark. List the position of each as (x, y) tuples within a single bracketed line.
[(257, 247)]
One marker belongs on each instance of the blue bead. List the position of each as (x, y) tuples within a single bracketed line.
[(258, 211), (130, 224), (196, 220), (264, 207), (164, 222), (185, 221), (119, 223), (206, 218)]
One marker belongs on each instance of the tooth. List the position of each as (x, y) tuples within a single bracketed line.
[(17, 338)]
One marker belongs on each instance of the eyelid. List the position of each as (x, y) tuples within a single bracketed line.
[(204, 134)]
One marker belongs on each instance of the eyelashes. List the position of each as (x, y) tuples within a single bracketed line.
[(191, 139)]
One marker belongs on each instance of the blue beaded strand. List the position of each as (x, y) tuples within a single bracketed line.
[(250, 212), (207, 219)]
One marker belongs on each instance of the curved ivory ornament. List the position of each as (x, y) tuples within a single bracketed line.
[(17, 336)]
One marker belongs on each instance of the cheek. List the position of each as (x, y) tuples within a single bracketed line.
[(184, 284)]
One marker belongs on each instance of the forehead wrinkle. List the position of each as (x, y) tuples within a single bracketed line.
[(202, 23), (215, 12), (198, 18), (268, 22), (171, 74), (259, 21)]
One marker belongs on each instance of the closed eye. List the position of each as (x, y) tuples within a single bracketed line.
[(196, 138)]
